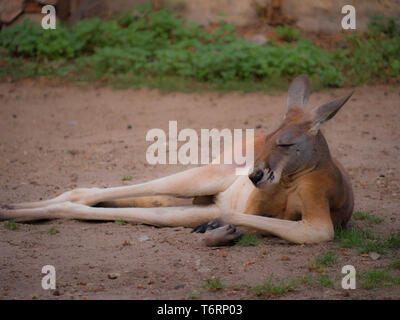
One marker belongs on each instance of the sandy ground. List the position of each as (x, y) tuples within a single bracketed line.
[(55, 138)]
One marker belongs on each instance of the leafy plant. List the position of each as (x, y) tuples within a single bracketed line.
[(120, 221), (53, 231), (10, 225), (358, 215), (143, 47), (287, 33), (248, 240), (324, 281), (365, 241), (377, 278), (393, 242), (272, 287), (213, 284), (324, 260)]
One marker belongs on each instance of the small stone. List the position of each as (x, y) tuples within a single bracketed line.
[(179, 286), (143, 238), (129, 126), (113, 276), (56, 293), (374, 255)]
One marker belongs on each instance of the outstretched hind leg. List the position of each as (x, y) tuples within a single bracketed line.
[(201, 181), (160, 216)]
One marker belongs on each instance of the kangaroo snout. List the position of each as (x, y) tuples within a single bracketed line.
[(256, 176), (259, 176)]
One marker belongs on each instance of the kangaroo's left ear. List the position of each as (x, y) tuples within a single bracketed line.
[(298, 94), (327, 111)]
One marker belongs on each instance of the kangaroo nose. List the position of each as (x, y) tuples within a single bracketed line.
[(255, 177)]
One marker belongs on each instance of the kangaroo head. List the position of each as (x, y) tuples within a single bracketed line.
[(297, 145)]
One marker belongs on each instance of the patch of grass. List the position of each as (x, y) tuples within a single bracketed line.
[(272, 287), (324, 260), (308, 280), (366, 241), (248, 240), (324, 281), (363, 240), (194, 295), (127, 178), (393, 242), (395, 265), (358, 215), (120, 221), (10, 225), (213, 284), (375, 278), (53, 231), (237, 287)]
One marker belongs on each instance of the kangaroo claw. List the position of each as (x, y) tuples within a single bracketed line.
[(222, 236), (210, 225)]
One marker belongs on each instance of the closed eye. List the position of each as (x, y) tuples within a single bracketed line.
[(286, 145)]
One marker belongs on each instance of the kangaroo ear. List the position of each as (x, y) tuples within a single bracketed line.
[(327, 111), (299, 92)]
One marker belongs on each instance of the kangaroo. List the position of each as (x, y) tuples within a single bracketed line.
[(295, 191)]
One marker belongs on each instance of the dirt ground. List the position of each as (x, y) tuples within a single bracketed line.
[(57, 137)]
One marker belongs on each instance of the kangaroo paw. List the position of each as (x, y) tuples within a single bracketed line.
[(222, 236), (210, 225)]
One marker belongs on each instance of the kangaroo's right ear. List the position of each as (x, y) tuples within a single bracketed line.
[(299, 92), (327, 111)]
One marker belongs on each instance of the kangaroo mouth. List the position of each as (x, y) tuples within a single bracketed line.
[(260, 176), (269, 175)]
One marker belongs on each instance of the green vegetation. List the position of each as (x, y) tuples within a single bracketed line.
[(248, 240), (120, 221), (273, 287), (10, 225), (393, 242), (366, 241), (287, 33), (159, 50), (395, 265), (194, 295), (237, 287), (358, 215), (213, 284), (324, 281), (375, 278), (127, 178), (324, 260), (53, 231)]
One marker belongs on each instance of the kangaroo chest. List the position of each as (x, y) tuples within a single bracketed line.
[(275, 201)]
